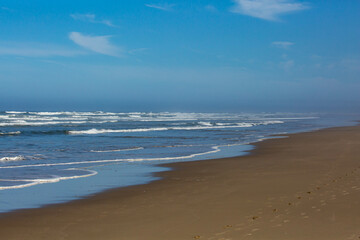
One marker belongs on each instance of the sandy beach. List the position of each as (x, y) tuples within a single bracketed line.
[(305, 186)]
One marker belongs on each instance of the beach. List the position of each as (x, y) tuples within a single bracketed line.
[(304, 186)]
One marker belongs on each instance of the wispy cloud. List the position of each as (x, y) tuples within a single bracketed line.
[(287, 65), (6, 9), (88, 17), (267, 9), (36, 50), (211, 8), (283, 44), (98, 44), (163, 7), (350, 64), (137, 50)]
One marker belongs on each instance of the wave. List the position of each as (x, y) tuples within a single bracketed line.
[(204, 125), (33, 182), (175, 146), (214, 150), (51, 113), (288, 118), (118, 150), (51, 132), (238, 125), (99, 113), (24, 123), (10, 133), (14, 112), (100, 131), (12, 159), (271, 122)]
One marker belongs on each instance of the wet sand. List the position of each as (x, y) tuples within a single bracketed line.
[(306, 186)]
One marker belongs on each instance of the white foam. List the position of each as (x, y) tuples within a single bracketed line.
[(14, 112), (10, 133), (48, 113), (118, 150), (32, 182), (238, 125), (205, 123), (12, 159), (288, 118), (24, 123), (215, 149), (271, 122), (223, 124), (100, 131)]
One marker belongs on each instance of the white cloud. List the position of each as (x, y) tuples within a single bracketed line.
[(283, 44), (91, 18), (267, 9), (163, 7), (98, 44), (36, 50)]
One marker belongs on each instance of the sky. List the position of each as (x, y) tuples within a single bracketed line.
[(189, 55)]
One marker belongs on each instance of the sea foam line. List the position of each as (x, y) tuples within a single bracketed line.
[(118, 150), (100, 131), (33, 182), (215, 149), (24, 123)]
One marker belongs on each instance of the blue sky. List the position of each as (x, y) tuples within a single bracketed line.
[(228, 55)]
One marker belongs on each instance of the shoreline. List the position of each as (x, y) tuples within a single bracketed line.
[(193, 178)]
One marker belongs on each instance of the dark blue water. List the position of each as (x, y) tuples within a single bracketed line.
[(51, 157)]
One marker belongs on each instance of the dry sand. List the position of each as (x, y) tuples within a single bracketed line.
[(306, 186)]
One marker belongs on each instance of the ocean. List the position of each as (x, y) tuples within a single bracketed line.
[(55, 157)]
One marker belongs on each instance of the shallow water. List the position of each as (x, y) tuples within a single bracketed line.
[(52, 157)]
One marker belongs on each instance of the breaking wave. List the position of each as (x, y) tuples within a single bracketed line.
[(33, 182), (203, 125), (214, 150), (9, 133), (12, 159)]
